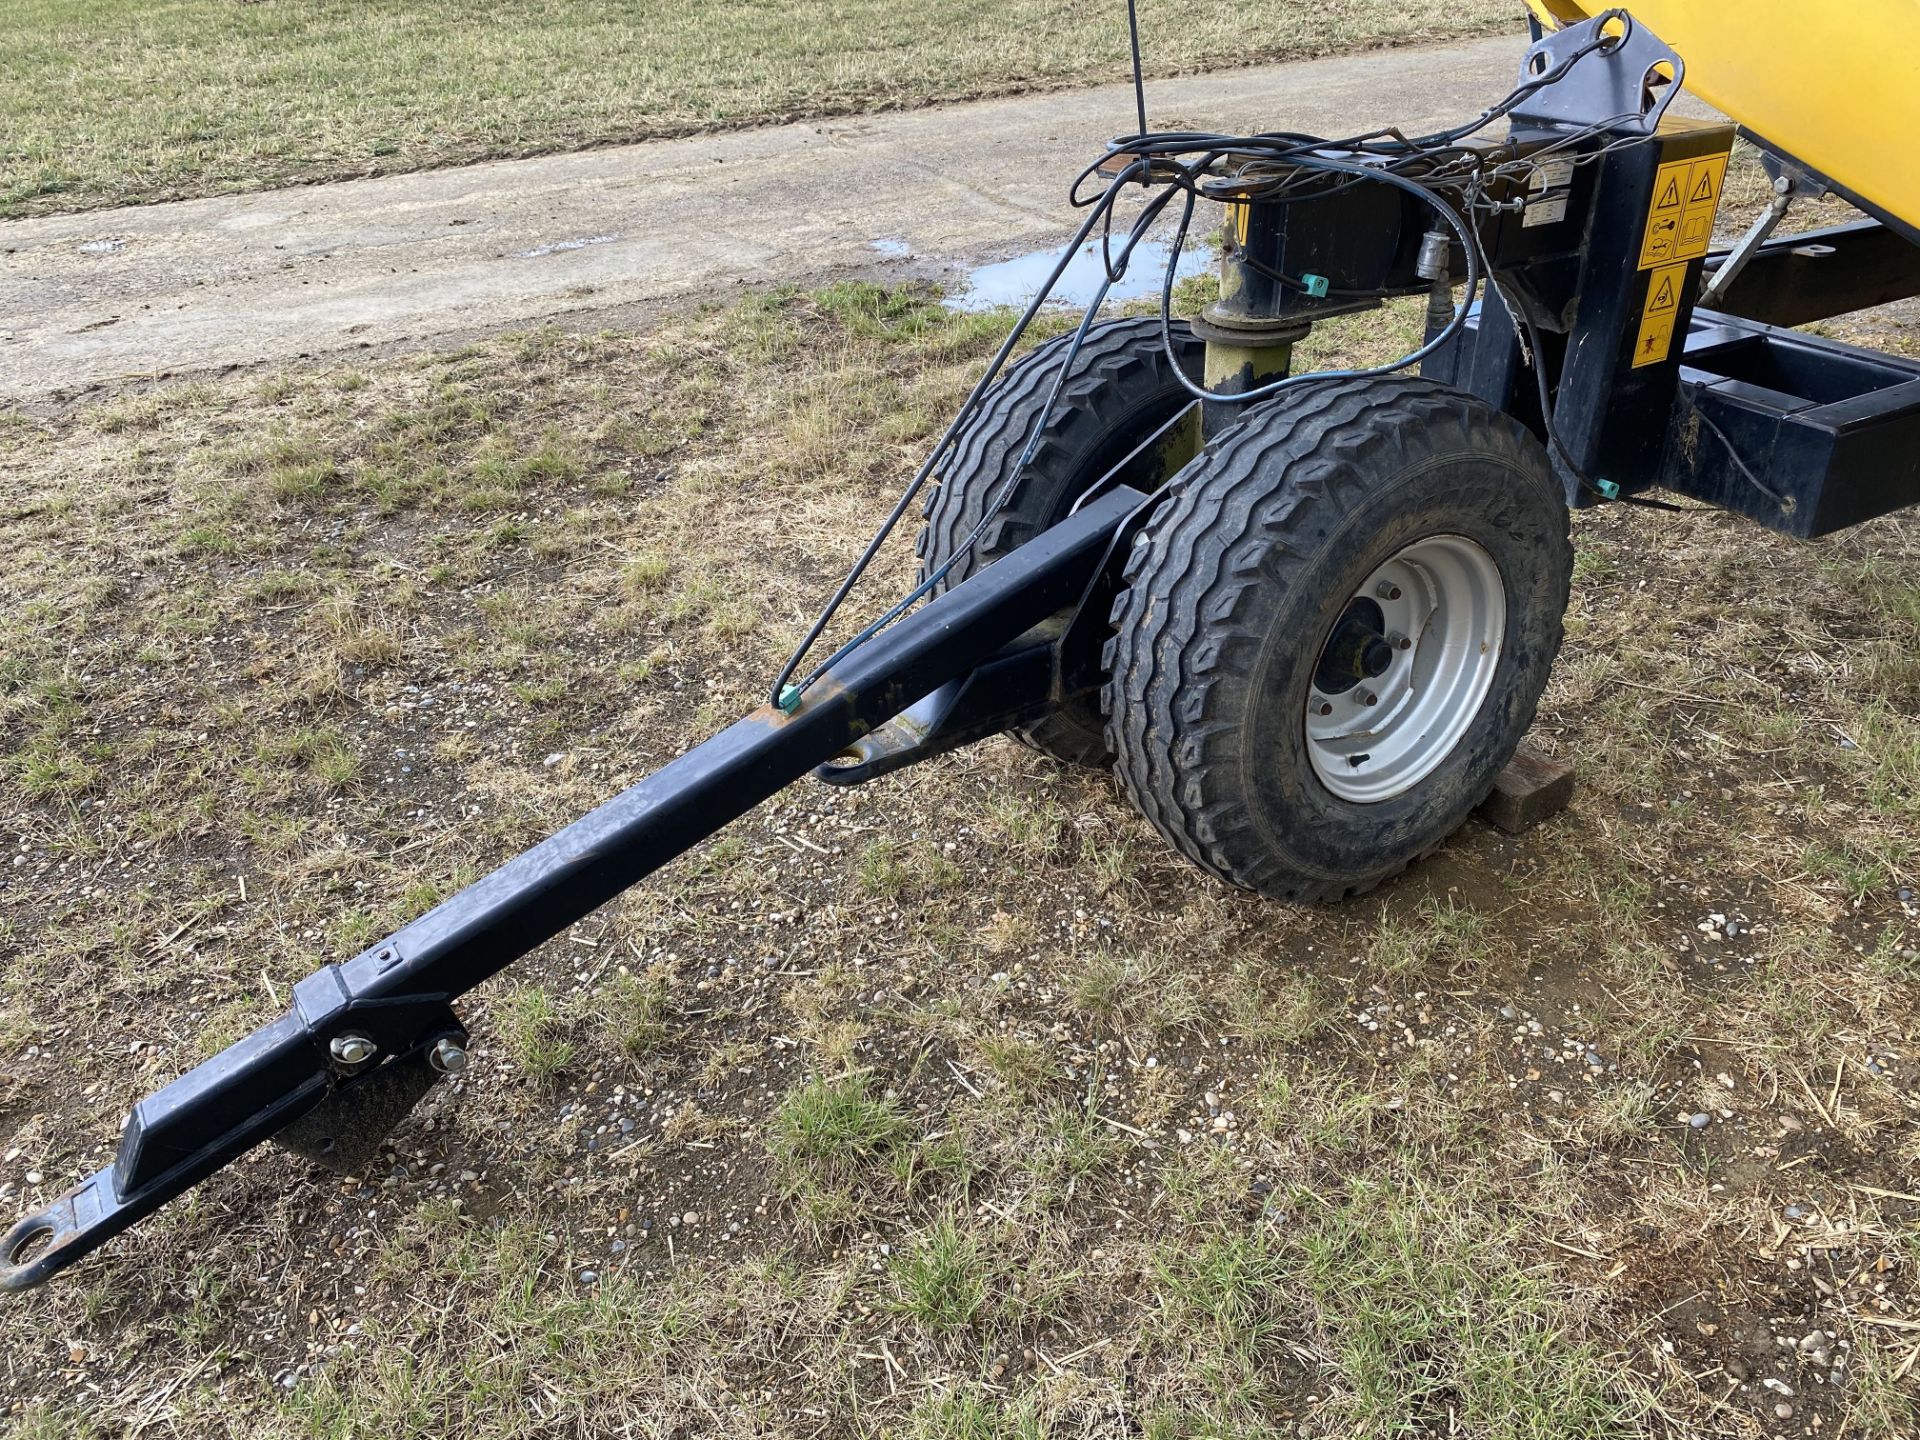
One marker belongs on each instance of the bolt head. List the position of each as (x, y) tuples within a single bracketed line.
[(448, 1056), (1387, 591), (352, 1049), (1325, 707), (1400, 642), (1367, 697)]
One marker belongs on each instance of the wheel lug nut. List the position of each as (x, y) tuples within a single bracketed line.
[(1325, 707), (1387, 591), (1367, 697), (1400, 642)]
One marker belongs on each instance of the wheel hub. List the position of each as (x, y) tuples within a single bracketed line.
[(1405, 668), (1357, 650)]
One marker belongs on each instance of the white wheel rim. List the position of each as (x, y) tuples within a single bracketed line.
[(1441, 607)]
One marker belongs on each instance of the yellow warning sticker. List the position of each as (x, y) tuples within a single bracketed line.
[(1680, 221), (1663, 220), (1655, 341), (1663, 289)]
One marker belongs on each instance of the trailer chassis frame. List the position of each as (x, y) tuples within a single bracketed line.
[(1731, 396)]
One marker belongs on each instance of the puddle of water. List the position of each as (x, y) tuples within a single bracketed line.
[(1015, 282), (559, 245), (892, 248)]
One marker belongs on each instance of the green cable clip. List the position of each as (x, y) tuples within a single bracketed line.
[(1316, 285), (789, 700), (1608, 489)]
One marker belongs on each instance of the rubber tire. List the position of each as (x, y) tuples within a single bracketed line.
[(1121, 389), (1242, 570)]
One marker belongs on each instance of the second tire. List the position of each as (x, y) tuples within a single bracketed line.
[(1121, 388)]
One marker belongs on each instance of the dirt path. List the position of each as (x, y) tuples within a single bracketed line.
[(166, 289)]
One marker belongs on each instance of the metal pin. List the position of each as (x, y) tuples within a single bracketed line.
[(352, 1050), (448, 1056)]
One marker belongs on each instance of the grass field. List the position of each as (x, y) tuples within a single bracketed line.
[(953, 1106), (106, 102)]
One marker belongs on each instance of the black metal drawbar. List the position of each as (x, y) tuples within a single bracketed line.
[(360, 1036)]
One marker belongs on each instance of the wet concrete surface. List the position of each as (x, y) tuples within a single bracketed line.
[(119, 296)]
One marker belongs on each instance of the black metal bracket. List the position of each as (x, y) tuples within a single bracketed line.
[(1626, 84), (344, 1130), (1007, 690)]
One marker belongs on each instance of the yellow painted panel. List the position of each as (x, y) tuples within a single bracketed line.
[(1834, 83)]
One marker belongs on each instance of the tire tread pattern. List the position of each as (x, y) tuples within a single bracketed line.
[(1121, 366), (1234, 520)]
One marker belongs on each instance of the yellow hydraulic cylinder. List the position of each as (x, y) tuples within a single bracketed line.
[(1835, 84)]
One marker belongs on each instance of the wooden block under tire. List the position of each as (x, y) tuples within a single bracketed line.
[(1532, 788)]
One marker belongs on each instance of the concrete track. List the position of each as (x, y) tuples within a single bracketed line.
[(203, 285)]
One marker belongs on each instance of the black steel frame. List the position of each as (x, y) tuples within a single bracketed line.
[(1818, 274), (1796, 431)]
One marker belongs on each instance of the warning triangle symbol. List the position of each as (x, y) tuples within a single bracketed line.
[(1669, 197), (1702, 191), (1662, 297)]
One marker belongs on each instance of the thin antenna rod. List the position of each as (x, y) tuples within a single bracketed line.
[(1139, 82)]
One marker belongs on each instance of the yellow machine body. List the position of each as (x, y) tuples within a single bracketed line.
[(1834, 84)]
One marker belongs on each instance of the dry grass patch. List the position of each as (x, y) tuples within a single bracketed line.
[(103, 102), (950, 1106)]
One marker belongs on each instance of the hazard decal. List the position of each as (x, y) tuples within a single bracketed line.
[(1657, 317), (1686, 193)]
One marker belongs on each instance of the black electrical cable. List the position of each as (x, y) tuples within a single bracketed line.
[(914, 486), (1295, 282), (1554, 444), (1454, 220), (933, 578), (1274, 167), (1114, 273), (1783, 503)]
